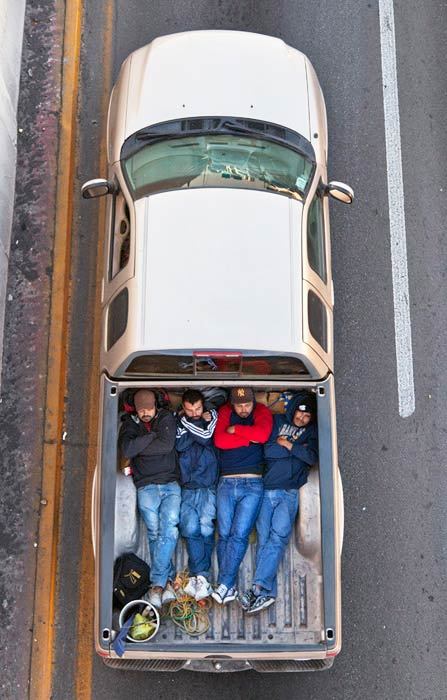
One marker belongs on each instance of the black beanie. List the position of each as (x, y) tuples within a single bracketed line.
[(306, 402)]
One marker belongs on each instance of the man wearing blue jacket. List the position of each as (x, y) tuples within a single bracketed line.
[(198, 470), (290, 451)]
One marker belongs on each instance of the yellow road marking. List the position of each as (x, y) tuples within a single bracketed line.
[(46, 567), (85, 651)]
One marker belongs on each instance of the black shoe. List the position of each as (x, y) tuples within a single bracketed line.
[(260, 602), (246, 599)]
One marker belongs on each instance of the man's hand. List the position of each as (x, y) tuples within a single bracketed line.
[(231, 429), (206, 415), (284, 442)]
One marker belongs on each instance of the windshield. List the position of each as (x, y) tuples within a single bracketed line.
[(217, 160)]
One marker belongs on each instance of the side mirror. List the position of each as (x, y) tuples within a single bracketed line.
[(97, 188), (340, 191)]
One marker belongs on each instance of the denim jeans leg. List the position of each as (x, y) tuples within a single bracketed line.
[(263, 527), (148, 499), (249, 499), (190, 529), (226, 505), (207, 528), (274, 528), (208, 543), (163, 568)]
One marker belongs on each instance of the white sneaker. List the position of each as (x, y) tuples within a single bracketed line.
[(155, 598), (191, 587), (168, 594), (224, 595), (203, 588)]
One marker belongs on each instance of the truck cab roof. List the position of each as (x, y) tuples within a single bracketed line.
[(233, 282)]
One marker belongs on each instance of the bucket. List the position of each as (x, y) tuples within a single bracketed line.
[(137, 606)]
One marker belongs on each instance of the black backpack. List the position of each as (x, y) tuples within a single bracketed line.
[(131, 578), (215, 397)]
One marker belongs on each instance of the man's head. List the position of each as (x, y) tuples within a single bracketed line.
[(193, 403), (304, 413), (145, 404), (243, 400)]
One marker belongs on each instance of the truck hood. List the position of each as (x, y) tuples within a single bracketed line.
[(193, 74)]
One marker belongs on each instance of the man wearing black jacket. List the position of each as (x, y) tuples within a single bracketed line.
[(147, 438)]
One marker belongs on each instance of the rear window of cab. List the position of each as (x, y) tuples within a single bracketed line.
[(237, 365)]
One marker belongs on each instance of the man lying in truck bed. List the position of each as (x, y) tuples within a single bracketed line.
[(147, 438), (243, 426), (290, 451), (198, 478)]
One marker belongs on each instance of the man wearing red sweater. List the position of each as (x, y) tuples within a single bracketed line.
[(242, 427)]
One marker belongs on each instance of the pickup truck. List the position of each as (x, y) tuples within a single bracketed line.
[(218, 274)]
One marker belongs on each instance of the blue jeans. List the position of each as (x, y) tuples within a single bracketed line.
[(197, 516), (238, 503), (274, 527), (159, 504)]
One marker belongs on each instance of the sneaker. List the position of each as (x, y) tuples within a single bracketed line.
[(168, 594), (224, 595), (191, 587), (155, 596), (246, 599), (203, 588), (261, 602)]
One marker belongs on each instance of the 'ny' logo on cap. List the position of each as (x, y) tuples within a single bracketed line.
[(241, 392)]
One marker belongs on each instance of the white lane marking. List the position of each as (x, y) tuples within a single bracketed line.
[(402, 321)]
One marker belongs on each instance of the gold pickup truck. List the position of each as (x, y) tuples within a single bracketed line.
[(218, 274)]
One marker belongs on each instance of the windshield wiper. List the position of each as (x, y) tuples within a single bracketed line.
[(144, 135), (239, 128)]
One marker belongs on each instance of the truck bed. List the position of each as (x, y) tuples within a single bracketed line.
[(298, 632)]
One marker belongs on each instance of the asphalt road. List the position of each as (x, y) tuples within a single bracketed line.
[(393, 469)]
